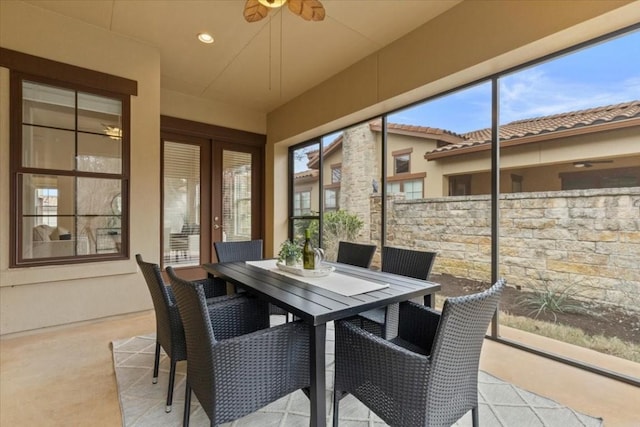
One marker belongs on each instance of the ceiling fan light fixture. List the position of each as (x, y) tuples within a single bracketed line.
[(274, 4)]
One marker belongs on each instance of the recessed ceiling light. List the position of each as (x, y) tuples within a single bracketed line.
[(205, 38)]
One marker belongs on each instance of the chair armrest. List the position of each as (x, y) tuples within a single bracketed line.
[(236, 315), (418, 324), (213, 286), (367, 364)]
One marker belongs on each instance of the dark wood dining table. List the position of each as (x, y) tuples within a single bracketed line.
[(316, 306)]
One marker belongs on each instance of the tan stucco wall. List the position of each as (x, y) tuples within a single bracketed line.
[(182, 106), (42, 296), (37, 297)]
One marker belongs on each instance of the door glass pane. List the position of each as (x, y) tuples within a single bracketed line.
[(236, 196), (181, 204)]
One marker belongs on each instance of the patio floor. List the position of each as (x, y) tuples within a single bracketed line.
[(64, 376)]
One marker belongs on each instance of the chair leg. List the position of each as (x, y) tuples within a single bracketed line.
[(475, 422), (172, 379), (156, 364), (336, 402), (187, 404)]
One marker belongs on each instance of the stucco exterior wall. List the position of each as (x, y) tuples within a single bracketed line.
[(588, 240)]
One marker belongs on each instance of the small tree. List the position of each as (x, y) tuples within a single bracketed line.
[(338, 225)]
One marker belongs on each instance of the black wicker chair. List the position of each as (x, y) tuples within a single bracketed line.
[(405, 262), (428, 375), (250, 250), (357, 254), (236, 376), (169, 331)]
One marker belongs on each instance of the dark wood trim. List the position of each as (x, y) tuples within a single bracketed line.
[(406, 177), (22, 62), (214, 132), (401, 152)]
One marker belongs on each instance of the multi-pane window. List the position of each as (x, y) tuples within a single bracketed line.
[(331, 199), (412, 189), (71, 173), (302, 203)]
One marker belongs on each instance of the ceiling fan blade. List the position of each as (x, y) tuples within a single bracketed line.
[(254, 11), (309, 10)]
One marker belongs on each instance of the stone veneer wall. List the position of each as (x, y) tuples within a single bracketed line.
[(586, 242), (359, 169)]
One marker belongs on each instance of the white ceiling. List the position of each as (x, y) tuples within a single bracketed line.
[(257, 65)]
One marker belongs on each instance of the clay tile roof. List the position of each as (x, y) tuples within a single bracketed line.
[(309, 173), (425, 131), (549, 124)]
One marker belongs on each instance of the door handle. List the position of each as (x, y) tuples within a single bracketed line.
[(216, 226)]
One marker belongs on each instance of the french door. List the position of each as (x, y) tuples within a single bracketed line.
[(211, 191)]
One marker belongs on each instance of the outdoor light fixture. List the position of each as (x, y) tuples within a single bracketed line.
[(589, 163)]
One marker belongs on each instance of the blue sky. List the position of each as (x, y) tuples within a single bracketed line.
[(604, 74)]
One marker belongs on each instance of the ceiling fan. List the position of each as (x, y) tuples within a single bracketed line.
[(589, 163), (309, 10)]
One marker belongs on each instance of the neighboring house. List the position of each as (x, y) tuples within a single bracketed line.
[(557, 152)]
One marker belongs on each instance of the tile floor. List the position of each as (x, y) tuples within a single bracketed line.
[(64, 377)]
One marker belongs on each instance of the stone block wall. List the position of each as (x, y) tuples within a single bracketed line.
[(586, 242)]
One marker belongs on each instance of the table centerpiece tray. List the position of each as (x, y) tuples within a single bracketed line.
[(322, 271)]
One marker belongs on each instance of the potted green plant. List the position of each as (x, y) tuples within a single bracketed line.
[(290, 253)]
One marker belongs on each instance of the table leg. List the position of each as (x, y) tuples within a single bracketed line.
[(430, 300), (391, 321), (318, 372)]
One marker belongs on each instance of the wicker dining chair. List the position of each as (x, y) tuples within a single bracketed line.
[(169, 331), (233, 377), (405, 262), (428, 375), (249, 250), (357, 254)]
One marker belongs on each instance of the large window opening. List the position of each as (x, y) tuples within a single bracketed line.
[(545, 161)]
